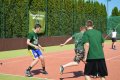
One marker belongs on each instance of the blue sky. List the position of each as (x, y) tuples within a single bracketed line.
[(111, 4)]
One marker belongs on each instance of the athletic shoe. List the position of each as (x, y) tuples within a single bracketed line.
[(28, 73), (43, 72), (95, 76), (61, 69)]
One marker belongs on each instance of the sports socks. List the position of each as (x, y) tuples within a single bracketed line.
[(43, 68), (29, 68)]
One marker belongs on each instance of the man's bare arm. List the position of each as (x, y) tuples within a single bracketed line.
[(69, 39), (86, 46), (40, 47)]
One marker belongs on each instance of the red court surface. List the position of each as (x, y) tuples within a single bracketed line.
[(17, 66)]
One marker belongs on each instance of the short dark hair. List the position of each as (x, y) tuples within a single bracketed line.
[(89, 23), (37, 26)]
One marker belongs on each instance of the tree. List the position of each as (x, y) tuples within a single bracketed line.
[(119, 12), (64, 17), (115, 12)]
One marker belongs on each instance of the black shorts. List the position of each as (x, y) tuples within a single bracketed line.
[(114, 39), (95, 67), (79, 55)]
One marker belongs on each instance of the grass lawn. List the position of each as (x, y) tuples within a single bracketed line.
[(14, 77), (23, 52)]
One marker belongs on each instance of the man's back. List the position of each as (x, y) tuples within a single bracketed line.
[(95, 40), (114, 34), (95, 61), (77, 40)]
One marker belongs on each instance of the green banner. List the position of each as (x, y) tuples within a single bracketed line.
[(37, 18)]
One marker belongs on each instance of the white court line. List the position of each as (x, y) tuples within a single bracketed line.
[(49, 55), (44, 54), (13, 61), (15, 57), (25, 77), (27, 59), (113, 58), (3, 60)]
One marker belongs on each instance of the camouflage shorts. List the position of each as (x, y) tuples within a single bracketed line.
[(79, 55)]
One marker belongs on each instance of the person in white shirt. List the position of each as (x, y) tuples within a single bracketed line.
[(114, 39)]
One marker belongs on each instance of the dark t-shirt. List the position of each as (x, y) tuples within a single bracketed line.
[(95, 40), (33, 39), (77, 40)]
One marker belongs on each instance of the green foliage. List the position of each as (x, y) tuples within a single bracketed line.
[(115, 12), (15, 18), (63, 17), (119, 12)]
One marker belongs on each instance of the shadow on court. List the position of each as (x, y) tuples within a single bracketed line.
[(76, 75), (36, 72)]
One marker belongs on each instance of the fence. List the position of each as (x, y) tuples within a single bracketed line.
[(113, 23), (63, 17), (20, 43)]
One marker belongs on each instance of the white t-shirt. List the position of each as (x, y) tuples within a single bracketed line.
[(114, 34)]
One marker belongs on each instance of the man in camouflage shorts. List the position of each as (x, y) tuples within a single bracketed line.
[(79, 49)]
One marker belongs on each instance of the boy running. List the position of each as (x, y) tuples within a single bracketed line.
[(94, 55), (79, 50), (34, 50)]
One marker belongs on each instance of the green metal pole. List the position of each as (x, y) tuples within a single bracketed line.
[(73, 16), (107, 12), (1, 19), (60, 18), (3, 32), (46, 17), (27, 12)]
